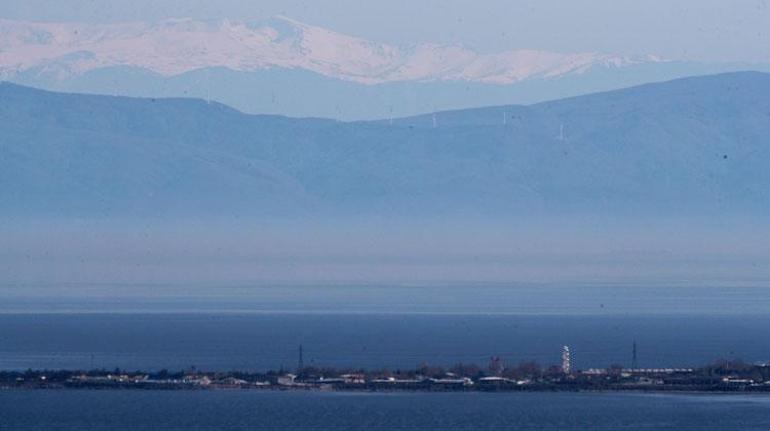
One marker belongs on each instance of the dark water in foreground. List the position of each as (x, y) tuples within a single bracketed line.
[(244, 410), (261, 341)]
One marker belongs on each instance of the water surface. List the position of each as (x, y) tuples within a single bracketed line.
[(251, 410), (261, 341)]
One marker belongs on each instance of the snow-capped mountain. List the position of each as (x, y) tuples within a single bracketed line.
[(174, 47)]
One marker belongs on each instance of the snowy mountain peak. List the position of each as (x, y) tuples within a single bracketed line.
[(176, 46)]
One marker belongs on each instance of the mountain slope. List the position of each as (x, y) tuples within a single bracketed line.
[(696, 146)]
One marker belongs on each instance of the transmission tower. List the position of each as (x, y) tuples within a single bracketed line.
[(300, 361)]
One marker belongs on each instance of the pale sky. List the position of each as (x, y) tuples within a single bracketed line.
[(701, 30)]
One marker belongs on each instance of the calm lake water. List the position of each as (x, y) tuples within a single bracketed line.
[(261, 341), (249, 410)]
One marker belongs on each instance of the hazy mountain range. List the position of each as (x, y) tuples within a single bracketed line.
[(662, 183), (691, 146), (283, 66)]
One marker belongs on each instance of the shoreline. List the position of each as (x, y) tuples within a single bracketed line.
[(426, 387), (605, 391)]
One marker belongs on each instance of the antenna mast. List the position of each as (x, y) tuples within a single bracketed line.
[(300, 361)]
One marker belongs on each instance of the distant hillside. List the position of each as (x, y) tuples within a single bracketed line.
[(690, 146)]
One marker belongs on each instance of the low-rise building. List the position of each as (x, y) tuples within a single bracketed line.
[(287, 380)]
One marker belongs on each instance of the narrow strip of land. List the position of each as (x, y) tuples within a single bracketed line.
[(728, 376)]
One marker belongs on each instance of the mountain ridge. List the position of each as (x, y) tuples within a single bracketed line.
[(285, 67), (280, 42), (692, 147), (706, 79)]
